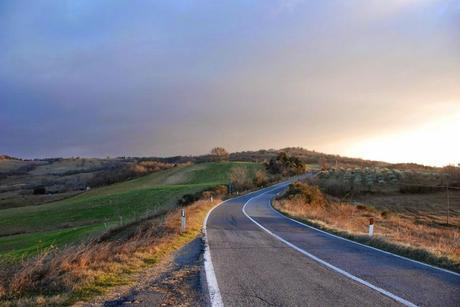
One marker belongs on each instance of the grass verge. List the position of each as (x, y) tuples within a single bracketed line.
[(79, 273), (435, 245)]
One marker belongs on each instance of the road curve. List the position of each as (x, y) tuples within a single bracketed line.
[(261, 258)]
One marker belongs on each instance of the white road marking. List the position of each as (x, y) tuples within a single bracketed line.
[(361, 244), (332, 267), (213, 288)]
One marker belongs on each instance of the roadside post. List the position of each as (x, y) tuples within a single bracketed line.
[(371, 227), (182, 220)]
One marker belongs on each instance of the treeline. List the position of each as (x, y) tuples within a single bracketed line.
[(326, 161), (127, 172)]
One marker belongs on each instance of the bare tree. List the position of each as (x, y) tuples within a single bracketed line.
[(260, 178), (239, 178), (219, 153)]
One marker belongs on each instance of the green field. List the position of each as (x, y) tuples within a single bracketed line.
[(28, 230)]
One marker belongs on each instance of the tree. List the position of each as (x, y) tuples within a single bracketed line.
[(286, 165), (260, 178), (219, 153), (323, 163), (239, 178)]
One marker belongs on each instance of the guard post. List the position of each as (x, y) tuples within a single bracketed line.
[(371, 227), (182, 221)]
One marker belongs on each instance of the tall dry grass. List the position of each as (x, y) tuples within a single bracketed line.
[(80, 272), (434, 243)]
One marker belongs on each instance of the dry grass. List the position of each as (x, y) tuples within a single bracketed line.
[(426, 208), (435, 243), (76, 273)]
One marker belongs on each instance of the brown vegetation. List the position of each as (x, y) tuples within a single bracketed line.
[(66, 176), (401, 233), (453, 173), (240, 179), (64, 276), (127, 172), (220, 153), (261, 178)]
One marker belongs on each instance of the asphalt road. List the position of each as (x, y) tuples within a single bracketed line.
[(261, 258)]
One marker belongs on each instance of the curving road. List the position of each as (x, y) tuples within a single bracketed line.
[(261, 258)]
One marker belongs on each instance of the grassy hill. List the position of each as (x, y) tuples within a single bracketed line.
[(29, 230)]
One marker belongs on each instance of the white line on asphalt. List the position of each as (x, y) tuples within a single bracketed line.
[(334, 268), (213, 288), (364, 245)]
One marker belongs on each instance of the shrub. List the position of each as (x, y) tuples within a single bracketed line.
[(239, 178), (337, 188), (39, 191), (118, 174), (219, 190), (285, 165), (188, 199), (260, 178), (309, 193), (219, 154)]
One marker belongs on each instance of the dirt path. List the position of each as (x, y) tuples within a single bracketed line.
[(173, 282)]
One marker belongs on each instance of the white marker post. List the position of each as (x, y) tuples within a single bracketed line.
[(371, 227), (182, 221), (212, 198)]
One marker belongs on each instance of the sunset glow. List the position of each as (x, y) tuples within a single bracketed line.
[(371, 79), (434, 143)]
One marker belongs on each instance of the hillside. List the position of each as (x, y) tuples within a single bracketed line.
[(28, 230), (307, 156), (34, 182)]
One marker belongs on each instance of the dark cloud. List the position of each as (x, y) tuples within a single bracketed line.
[(100, 78)]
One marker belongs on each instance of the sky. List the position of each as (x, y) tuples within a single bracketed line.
[(371, 79)]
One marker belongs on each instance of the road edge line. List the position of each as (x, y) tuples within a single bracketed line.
[(215, 298), (363, 245), (326, 264)]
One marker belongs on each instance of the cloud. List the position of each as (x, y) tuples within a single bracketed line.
[(174, 77)]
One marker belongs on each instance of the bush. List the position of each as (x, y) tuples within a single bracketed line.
[(239, 178), (189, 199), (260, 178), (285, 165), (39, 191), (219, 190), (219, 154), (133, 170), (337, 188), (309, 193)]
